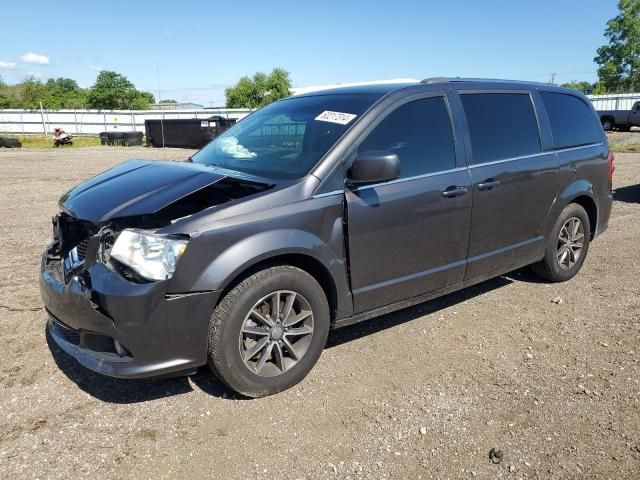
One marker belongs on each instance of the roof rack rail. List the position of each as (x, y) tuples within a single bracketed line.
[(435, 80), (486, 80), (494, 80)]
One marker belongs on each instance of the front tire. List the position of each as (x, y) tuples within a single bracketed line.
[(268, 332), (567, 245)]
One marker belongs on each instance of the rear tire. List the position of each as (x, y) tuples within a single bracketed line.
[(132, 139), (608, 125), (113, 138), (567, 245), (287, 354), (9, 142)]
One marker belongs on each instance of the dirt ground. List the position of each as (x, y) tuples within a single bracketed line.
[(423, 393)]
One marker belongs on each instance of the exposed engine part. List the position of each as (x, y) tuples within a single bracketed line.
[(81, 243)]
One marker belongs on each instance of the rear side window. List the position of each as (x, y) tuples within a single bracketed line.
[(501, 125), (572, 122), (420, 133)]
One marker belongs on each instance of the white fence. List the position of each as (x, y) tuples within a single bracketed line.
[(92, 122), (616, 101)]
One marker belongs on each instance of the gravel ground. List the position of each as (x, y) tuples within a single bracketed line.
[(423, 393), (625, 141)]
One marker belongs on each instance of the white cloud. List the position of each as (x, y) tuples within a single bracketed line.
[(96, 68), (7, 65), (35, 59)]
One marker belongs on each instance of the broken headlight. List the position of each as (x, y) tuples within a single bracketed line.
[(152, 256)]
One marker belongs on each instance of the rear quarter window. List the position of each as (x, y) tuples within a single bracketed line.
[(501, 125), (573, 124)]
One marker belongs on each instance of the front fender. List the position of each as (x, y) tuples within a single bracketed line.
[(312, 228), (256, 248)]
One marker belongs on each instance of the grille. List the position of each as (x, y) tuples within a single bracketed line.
[(82, 249)]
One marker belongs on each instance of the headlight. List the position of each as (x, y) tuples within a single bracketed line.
[(152, 256)]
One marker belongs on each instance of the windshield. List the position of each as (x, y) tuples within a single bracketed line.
[(285, 139)]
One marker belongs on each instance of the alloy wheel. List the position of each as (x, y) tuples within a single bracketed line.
[(276, 333), (570, 243)]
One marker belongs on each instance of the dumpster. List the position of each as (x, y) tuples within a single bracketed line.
[(185, 133)]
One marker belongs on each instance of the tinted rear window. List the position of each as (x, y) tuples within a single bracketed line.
[(501, 125), (572, 122)]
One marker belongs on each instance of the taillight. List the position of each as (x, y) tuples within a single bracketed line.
[(612, 168)]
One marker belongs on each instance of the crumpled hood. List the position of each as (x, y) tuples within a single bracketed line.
[(136, 187)]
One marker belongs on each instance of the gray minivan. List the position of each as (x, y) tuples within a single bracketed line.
[(319, 211)]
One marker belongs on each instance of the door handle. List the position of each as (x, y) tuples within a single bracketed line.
[(488, 184), (454, 191)]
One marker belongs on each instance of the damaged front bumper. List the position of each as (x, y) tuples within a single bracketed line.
[(121, 328)]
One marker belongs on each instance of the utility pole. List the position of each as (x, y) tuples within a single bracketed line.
[(158, 73), (44, 128), (552, 80)]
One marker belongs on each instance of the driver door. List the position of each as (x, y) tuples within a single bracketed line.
[(634, 117), (409, 236)]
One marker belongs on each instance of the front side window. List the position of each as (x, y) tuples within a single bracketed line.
[(501, 125), (573, 124), (286, 139), (420, 133), (333, 182)]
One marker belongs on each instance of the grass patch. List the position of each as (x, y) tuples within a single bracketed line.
[(624, 147), (41, 141)]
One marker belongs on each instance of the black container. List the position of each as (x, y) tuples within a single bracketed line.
[(185, 133)]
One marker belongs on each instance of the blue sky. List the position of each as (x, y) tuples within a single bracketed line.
[(203, 46)]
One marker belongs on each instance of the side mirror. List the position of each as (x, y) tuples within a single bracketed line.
[(373, 166)]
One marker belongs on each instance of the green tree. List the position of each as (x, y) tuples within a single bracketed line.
[(142, 101), (598, 89), (5, 101), (260, 90), (619, 59), (583, 86), (65, 93), (31, 93), (114, 91)]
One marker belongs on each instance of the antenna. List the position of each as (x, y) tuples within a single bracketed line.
[(164, 152)]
